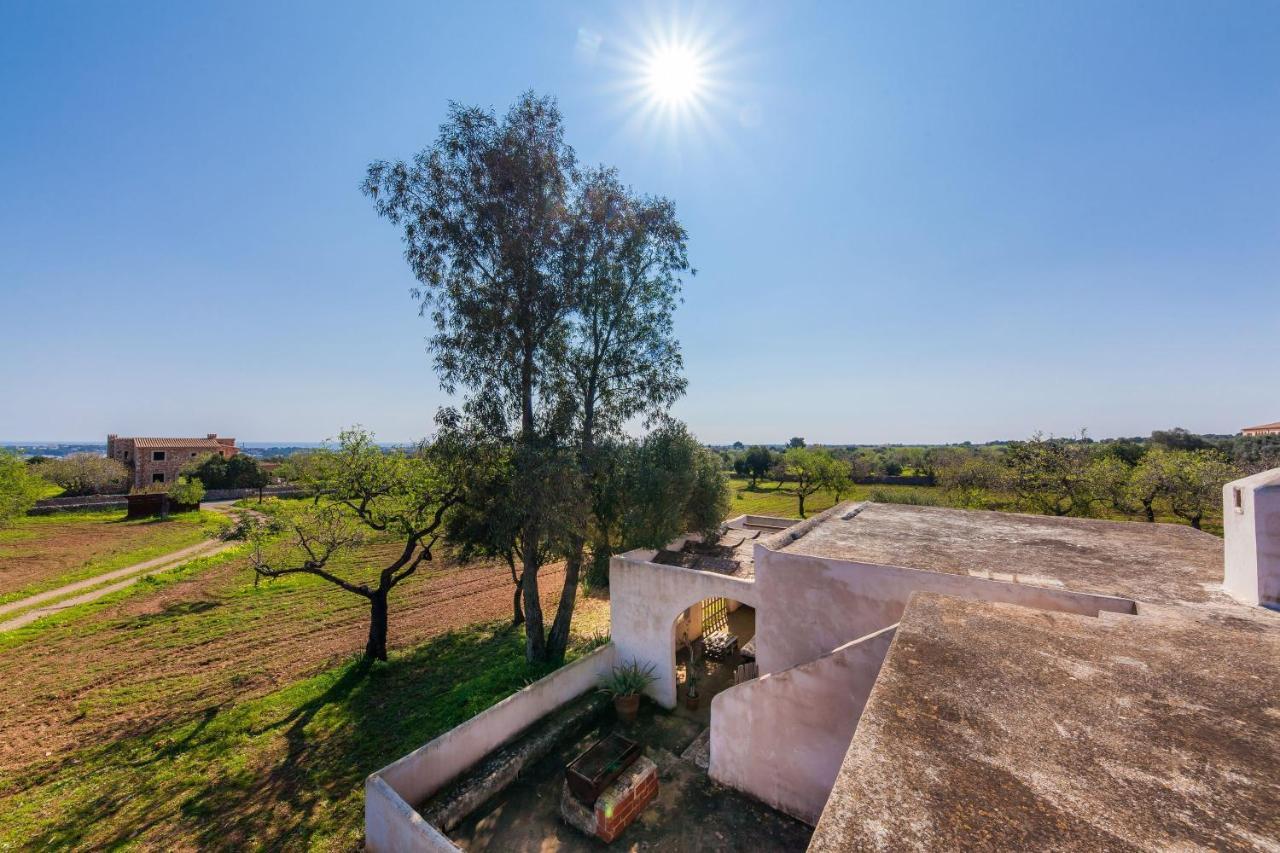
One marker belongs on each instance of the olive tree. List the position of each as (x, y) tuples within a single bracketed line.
[(1193, 481), (1051, 475), (812, 470), (363, 491), (86, 474), (758, 461)]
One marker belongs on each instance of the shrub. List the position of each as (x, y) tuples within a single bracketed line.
[(913, 498), (187, 491), (628, 680)]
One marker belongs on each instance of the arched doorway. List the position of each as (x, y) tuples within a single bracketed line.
[(714, 642)]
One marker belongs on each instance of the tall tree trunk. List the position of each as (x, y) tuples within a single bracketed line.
[(376, 648), (517, 616), (801, 496), (558, 639), (1149, 511), (535, 642)]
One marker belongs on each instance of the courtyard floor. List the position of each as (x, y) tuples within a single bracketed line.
[(690, 813)]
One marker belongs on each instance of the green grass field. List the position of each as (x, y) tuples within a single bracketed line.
[(200, 709), (41, 552), (281, 771), (770, 499)]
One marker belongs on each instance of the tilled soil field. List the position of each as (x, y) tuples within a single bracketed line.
[(42, 548), (175, 651)]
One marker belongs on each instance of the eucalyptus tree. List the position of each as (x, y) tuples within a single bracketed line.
[(362, 491), (622, 360), (485, 220)]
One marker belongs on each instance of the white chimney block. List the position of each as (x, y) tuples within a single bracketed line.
[(1251, 533)]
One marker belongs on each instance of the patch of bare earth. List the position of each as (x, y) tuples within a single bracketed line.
[(215, 639), (55, 548)]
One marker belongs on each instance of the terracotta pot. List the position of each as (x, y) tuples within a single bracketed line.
[(691, 700), (627, 706)]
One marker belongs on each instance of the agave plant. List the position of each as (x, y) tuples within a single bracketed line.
[(630, 679)]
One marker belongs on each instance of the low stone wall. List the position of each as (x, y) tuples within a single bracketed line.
[(237, 494), (51, 505), (782, 737), (390, 822), (887, 480)]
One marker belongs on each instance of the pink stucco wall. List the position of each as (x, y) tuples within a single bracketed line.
[(782, 737), (811, 605)]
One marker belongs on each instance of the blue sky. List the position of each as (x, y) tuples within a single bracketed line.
[(912, 222)]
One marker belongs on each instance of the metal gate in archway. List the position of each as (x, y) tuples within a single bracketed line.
[(715, 616)]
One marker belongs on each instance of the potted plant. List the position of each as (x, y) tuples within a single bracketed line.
[(625, 685), (692, 674)]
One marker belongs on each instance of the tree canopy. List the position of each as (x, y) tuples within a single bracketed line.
[(551, 289), (19, 487)]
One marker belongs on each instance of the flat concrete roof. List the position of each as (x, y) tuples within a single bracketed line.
[(993, 726), (1158, 563)]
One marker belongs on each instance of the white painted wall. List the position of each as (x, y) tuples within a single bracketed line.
[(644, 601), (1251, 539), (815, 604), (390, 822), (782, 737)]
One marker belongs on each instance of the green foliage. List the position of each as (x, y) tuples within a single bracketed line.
[(629, 679), (19, 488), (669, 485), (282, 770), (1051, 475), (187, 490), (402, 494), (238, 472), (811, 470), (757, 462), (86, 474), (912, 497)]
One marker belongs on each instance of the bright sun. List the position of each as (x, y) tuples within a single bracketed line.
[(674, 75)]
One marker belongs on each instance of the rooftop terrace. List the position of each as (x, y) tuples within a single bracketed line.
[(1157, 563), (1003, 727)]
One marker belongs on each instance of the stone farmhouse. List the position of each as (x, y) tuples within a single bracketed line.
[(907, 678), (158, 460), (1262, 429)]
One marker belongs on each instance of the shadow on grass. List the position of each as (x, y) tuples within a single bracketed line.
[(286, 770)]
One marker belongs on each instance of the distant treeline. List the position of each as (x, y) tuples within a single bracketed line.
[(1169, 473)]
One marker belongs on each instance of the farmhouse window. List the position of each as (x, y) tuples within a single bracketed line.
[(157, 477), (157, 456)]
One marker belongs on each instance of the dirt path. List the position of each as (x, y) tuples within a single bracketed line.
[(214, 639), (64, 596)]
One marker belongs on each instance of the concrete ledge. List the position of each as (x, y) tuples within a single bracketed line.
[(391, 824)]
